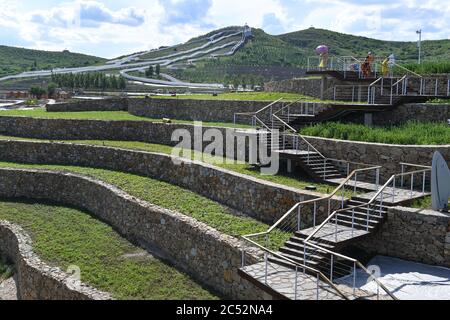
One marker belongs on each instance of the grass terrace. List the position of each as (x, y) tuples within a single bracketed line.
[(238, 166), (65, 236), (170, 197), (410, 133), (439, 101), (100, 115), (5, 271)]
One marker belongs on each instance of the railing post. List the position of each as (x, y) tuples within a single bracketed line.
[(412, 185), (329, 206), (342, 198), (265, 267), (298, 218), (348, 169), (234, 118), (377, 178), (317, 295), (304, 258), (324, 168), (295, 283), (393, 190), (368, 215), (356, 174), (308, 154), (334, 93), (401, 178), (423, 182), (331, 271), (335, 226), (314, 216), (354, 277), (353, 220), (381, 204), (448, 87), (243, 257), (436, 87)]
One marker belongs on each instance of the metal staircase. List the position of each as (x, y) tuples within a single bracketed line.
[(308, 263), (312, 248)]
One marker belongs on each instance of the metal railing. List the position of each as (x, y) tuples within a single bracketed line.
[(389, 192), (299, 270), (295, 218)]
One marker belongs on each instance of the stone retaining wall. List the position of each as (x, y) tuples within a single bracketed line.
[(207, 255), (413, 234), (192, 109), (387, 155), (35, 279), (113, 104), (263, 200)]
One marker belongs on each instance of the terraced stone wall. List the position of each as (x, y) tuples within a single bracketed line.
[(413, 234), (207, 255), (263, 200), (387, 155), (35, 279)]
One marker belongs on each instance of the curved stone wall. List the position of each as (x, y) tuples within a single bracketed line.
[(206, 254), (35, 279), (260, 199), (387, 155)]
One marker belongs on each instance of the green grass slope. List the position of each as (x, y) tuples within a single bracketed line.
[(15, 60)]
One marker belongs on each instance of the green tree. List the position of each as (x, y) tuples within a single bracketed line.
[(51, 89), (158, 69), (37, 92)]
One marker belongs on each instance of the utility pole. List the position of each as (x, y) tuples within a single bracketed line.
[(419, 44)]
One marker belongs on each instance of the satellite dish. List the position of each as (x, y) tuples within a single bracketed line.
[(440, 182)]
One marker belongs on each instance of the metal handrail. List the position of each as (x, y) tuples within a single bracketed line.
[(302, 266), (401, 79), (288, 105), (268, 106), (407, 70)]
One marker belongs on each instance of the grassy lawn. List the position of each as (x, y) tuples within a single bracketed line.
[(100, 115), (171, 197), (439, 101), (64, 236), (5, 271), (409, 133), (239, 167), (424, 203)]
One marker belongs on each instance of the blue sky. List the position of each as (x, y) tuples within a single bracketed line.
[(115, 27)]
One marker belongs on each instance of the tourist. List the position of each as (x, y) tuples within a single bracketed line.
[(323, 61), (365, 67), (371, 59), (391, 64), (385, 67)]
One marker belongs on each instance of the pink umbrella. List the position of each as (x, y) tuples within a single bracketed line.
[(322, 49)]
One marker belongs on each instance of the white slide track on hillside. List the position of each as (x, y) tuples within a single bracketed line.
[(131, 63)]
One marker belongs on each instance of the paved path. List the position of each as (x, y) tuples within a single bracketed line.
[(8, 289), (282, 280)]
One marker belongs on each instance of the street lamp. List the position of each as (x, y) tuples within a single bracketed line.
[(419, 44)]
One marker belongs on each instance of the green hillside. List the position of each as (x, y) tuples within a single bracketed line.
[(345, 44), (15, 60)]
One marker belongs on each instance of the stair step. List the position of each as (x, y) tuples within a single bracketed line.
[(297, 240), (358, 219), (360, 226), (316, 256), (298, 259)]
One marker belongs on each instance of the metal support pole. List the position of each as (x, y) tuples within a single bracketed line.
[(317, 296), (243, 257), (381, 204), (314, 217), (265, 268), (423, 182), (331, 271), (354, 277), (298, 218), (393, 190), (377, 178), (368, 215), (412, 184), (335, 226), (356, 173), (295, 283), (436, 87), (401, 179), (324, 169)]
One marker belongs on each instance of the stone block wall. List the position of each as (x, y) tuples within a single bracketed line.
[(413, 234), (204, 253), (113, 104), (35, 279), (387, 155), (263, 200)]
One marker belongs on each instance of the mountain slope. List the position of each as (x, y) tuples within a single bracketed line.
[(15, 60), (345, 44)]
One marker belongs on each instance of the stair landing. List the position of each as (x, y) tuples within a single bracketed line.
[(281, 282), (329, 231)]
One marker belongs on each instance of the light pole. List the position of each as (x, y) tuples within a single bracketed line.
[(419, 44)]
